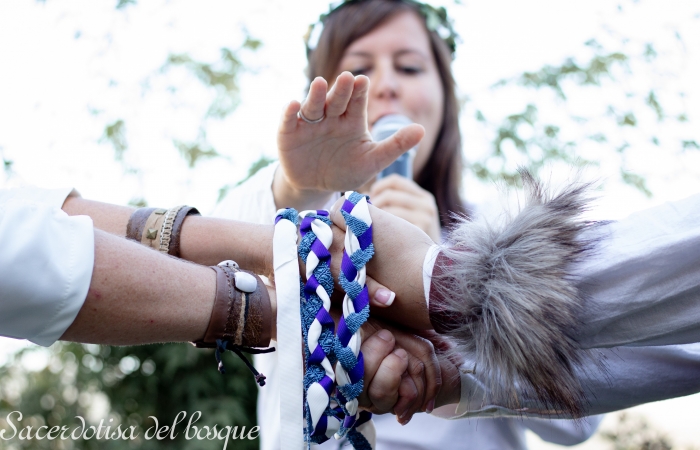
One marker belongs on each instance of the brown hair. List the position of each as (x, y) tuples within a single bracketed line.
[(442, 173)]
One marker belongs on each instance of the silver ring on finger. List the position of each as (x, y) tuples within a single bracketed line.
[(303, 117)]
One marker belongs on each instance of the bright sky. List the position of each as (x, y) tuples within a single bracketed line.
[(70, 68)]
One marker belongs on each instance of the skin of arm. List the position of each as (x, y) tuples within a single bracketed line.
[(203, 240)]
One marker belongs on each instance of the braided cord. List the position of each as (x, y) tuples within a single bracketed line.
[(350, 372), (317, 326), (289, 339)]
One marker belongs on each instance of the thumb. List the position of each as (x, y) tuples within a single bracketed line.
[(379, 295), (396, 145)]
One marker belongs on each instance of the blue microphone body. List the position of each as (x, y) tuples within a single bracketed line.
[(382, 129)]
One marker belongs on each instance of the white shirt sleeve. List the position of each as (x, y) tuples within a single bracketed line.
[(642, 285), (633, 376), (46, 264)]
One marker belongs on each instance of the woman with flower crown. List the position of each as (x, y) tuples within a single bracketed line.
[(404, 50)]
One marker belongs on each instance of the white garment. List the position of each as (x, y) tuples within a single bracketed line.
[(253, 201), (634, 375), (46, 261)]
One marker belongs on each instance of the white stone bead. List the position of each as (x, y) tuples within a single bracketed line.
[(245, 282)]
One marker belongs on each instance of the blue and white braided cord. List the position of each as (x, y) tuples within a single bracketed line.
[(350, 370), (318, 326)]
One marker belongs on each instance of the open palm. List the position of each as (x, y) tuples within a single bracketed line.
[(337, 153)]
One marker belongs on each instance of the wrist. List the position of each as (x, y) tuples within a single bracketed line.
[(286, 195), (241, 311)]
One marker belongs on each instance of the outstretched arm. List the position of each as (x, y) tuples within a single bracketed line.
[(203, 240)]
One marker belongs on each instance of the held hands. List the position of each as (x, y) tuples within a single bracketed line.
[(337, 153), (405, 373)]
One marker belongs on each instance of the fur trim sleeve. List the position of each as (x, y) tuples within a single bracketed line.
[(506, 296)]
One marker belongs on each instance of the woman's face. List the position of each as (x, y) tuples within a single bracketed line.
[(404, 79)]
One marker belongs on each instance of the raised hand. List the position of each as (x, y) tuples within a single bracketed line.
[(337, 153)]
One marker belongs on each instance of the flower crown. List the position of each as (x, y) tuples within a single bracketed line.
[(435, 20)]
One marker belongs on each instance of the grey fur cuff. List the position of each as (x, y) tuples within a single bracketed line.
[(506, 296)]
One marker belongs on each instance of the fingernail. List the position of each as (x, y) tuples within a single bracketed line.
[(385, 335), (399, 417), (385, 296), (401, 353), (430, 407)]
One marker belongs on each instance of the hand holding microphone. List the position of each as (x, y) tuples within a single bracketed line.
[(395, 191)]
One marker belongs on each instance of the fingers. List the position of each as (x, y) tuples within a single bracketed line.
[(383, 391), (394, 146), (357, 106), (375, 349), (393, 197), (379, 295), (408, 395), (411, 393), (315, 103), (339, 96), (395, 182), (424, 367), (289, 121)]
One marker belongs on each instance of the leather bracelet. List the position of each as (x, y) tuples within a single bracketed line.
[(242, 313), (136, 228), (183, 212), (159, 228), (442, 319)]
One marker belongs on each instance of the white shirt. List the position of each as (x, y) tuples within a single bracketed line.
[(253, 201), (46, 261)]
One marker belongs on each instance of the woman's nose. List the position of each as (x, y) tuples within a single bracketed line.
[(385, 83)]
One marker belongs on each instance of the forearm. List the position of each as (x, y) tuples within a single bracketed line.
[(203, 240), (138, 296)]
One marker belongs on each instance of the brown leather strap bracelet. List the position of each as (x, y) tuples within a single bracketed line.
[(159, 228), (242, 313), (180, 217)]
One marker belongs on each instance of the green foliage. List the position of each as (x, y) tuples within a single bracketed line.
[(542, 147), (634, 433), (138, 202), (263, 161), (636, 181), (141, 381), (192, 152), (7, 164), (115, 134), (590, 73), (537, 143), (221, 75), (121, 4)]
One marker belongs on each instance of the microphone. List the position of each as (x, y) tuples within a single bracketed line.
[(382, 129)]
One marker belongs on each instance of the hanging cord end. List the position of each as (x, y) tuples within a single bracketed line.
[(223, 345)]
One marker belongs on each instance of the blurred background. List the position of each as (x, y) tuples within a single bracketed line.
[(172, 102)]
